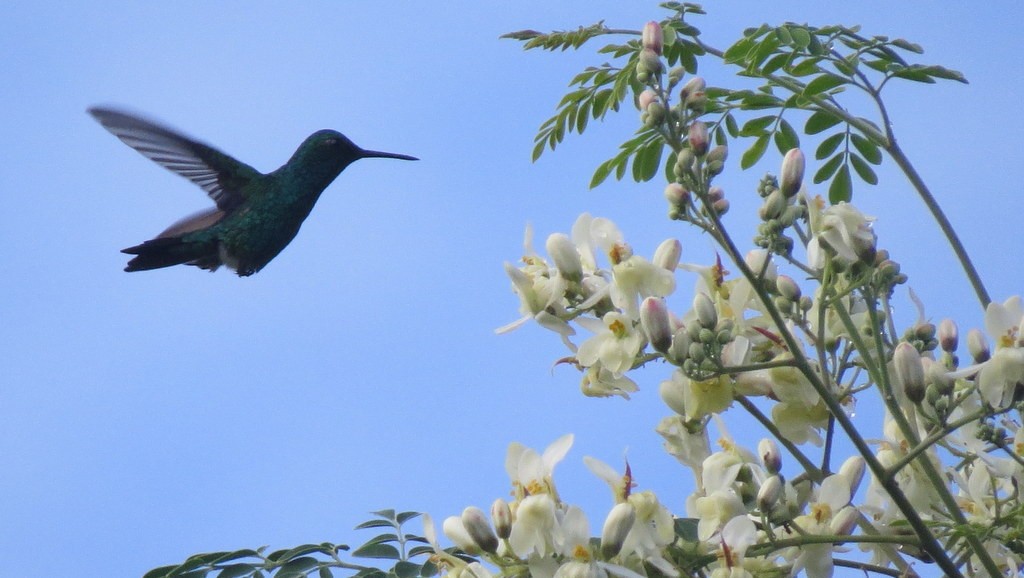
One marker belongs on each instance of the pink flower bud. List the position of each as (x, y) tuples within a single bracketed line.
[(501, 515), (787, 287), (646, 98), (948, 335), (694, 86), (668, 253), (653, 39), (792, 173), (698, 138), (769, 493), (654, 318), (649, 62), (910, 371)]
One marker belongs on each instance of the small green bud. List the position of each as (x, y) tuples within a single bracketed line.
[(787, 287), (707, 336), (948, 335), (656, 110), (676, 74), (684, 163), (806, 303), (650, 61), (773, 206), (697, 354)]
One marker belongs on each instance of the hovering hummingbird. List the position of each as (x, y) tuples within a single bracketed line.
[(257, 214)]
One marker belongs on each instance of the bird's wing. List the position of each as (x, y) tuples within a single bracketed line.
[(221, 176)]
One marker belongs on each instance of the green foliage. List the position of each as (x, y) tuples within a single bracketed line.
[(804, 69), (316, 559)]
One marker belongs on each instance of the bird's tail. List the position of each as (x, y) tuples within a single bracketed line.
[(168, 251)]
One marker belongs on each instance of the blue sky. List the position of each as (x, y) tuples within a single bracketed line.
[(148, 416)]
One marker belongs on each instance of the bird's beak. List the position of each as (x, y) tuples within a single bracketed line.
[(382, 155)]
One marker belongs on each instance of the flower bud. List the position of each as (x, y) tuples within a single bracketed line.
[(476, 525), (654, 318), (646, 98), (770, 456), (676, 195), (655, 115), (948, 335), (773, 207), (680, 348), (684, 163), (769, 494), (977, 345), (787, 287), (676, 74), (698, 136), (910, 370), (650, 62), (616, 527), (853, 471), (456, 532), (668, 253), (792, 173), (844, 521), (721, 206), (694, 86), (705, 310), (716, 193), (652, 38), (565, 255), (501, 516)]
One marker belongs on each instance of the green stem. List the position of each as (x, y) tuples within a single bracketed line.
[(813, 471)]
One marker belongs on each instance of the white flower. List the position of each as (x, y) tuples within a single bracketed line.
[(841, 228), (598, 381), (535, 530), (616, 343), (714, 510), (532, 473), (689, 445), (1004, 371)]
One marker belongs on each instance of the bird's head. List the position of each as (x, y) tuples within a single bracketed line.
[(334, 151)]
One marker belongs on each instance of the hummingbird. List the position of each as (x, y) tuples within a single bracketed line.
[(256, 214)]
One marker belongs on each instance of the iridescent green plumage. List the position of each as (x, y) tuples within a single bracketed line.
[(256, 214)]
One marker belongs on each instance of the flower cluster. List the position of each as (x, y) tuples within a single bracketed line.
[(946, 468), (539, 533)]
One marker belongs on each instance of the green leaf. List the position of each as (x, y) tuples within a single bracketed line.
[(828, 169), (801, 37), (907, 45), (602, 172), (864, 170), (236, 570), (732, 126), (823, 83), (775, 62), (841, 189), (160, 572), (384, 551), (757, 126), (385, 523), (821, 121), (764, 49), (382, 539), (829, 145), (647, 161), (300, 565), (786, 137), (405, 569), (915, 73), (806, 67), (325, 572), (754, 153), (867, 149), (237, 554)]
